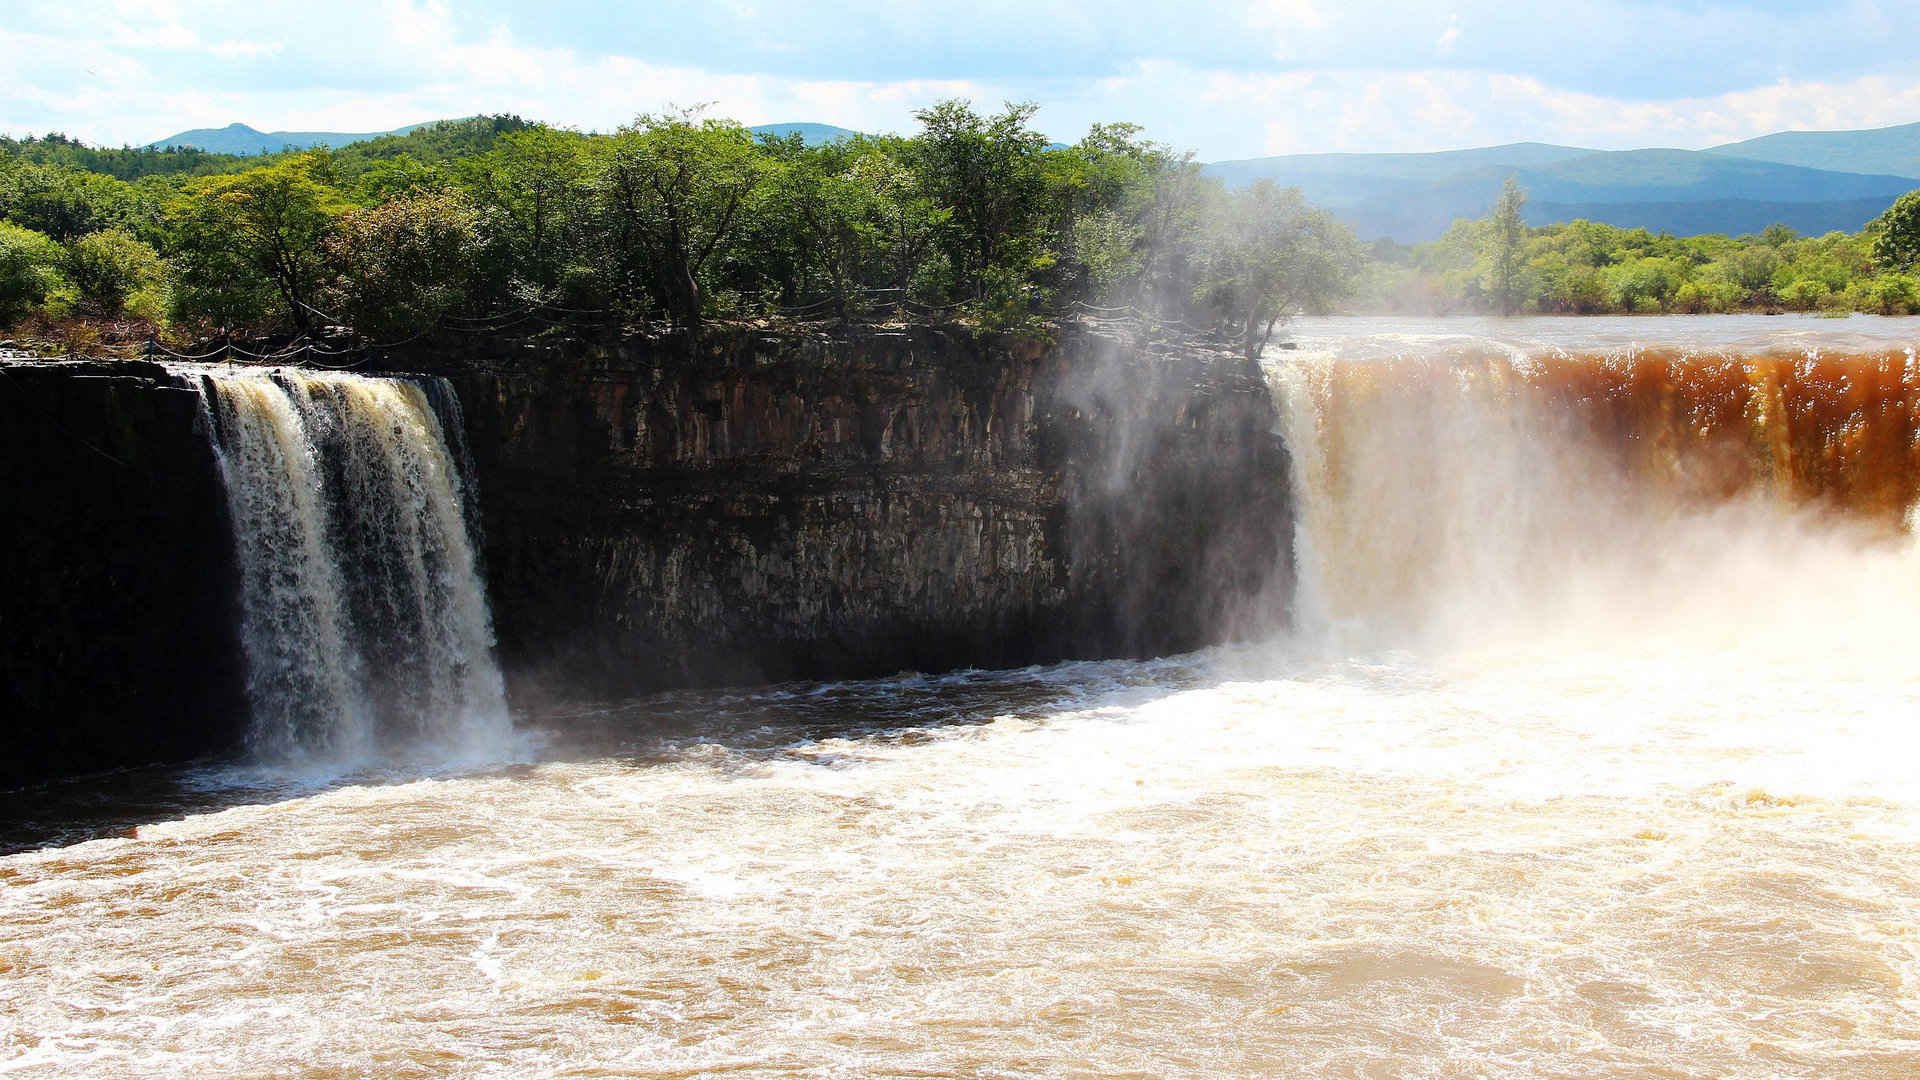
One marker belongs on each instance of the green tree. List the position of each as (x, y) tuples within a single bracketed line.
[(531, 184), (65, 203), (675, 189), (259, 233), (1505, 233), (1896, 240), (29, 270), (987, 174), (1895, 294), (111, 271), (842, 206), (1270, 256), (404, 263)]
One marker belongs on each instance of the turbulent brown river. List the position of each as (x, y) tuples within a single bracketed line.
[(1590, 751)]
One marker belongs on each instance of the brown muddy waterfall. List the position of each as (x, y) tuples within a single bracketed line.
[(1588, 752)]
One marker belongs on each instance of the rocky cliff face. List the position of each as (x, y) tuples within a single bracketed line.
[(117, 619), (786, 506), (771, 506)]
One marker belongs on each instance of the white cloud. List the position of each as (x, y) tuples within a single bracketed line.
[(236, 50), (376, 64)]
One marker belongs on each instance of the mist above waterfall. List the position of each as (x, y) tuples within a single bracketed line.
[(1468, 492)]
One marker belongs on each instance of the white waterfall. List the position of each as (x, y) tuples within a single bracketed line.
[(364, 617)]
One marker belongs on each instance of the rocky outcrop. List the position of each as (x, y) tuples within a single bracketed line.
[(117, 621), (779, 506), (768, 506)]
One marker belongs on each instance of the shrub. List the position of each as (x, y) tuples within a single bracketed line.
[(1804, 294), (1895, 294), (109, 268), (404, 263), (29, 271)]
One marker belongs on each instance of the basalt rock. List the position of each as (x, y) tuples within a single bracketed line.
[(768, 506), (782, 506), (117, 620)]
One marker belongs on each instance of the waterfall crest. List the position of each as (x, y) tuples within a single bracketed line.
[(1467, 492), (363, 611)]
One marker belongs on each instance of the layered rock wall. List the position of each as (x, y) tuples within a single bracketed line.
[(791, 506), (118, 617), (767, 506)]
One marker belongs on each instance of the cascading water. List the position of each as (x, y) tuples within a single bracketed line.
[(1465, 491), (364, 617), (1590, 755)]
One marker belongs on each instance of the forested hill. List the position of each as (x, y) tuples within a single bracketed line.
[(241, 139), (1813, 182), (1681, 191), (1891, 150)]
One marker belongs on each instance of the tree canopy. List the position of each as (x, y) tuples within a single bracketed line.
[(684, 217)]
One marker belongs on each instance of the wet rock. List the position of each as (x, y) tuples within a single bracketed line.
[(826, 506)]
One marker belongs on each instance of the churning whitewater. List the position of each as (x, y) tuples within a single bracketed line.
[(1589, 755)]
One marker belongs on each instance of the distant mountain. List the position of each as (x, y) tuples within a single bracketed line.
[(1720, 194), (1892, 151), (1413, 198), (1335, 180), (241, 139), (813, 134), (1732, 217)]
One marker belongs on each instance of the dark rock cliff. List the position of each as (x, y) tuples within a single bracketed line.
[(791, 506), (118, 620), (770, 506)]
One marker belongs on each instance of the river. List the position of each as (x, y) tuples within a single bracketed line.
[(1590, 753)]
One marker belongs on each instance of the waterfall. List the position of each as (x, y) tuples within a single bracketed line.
[(363, 612), (1467, 493)]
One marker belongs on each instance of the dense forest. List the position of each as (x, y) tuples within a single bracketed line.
[(1497, 264), (684, 218)]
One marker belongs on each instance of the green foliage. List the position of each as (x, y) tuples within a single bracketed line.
[(67, 203), (988, 174), (1895, 294), (1584, 267), (29, 271), (1502, 234), (531, 188), (124, 163), (404, 263), (111, 272), (243, 240), (1804, 294), (671, 192), (1896, 234), (976, 216), (848, 213), (435, 144), (1269, 255)]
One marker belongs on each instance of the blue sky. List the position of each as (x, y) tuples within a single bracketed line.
[(1241, 78)]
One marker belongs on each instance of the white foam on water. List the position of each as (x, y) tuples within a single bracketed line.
[(1649, 816)]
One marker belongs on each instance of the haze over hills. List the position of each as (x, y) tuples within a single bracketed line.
[(1682, 191), (1891, 150), (1813, 181), (812, 133), (241, 139), (1733, 189)]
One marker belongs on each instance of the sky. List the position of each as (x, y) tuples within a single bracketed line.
[(1227, 79)]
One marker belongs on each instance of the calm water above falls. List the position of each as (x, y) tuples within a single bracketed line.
[(1591, 755)]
